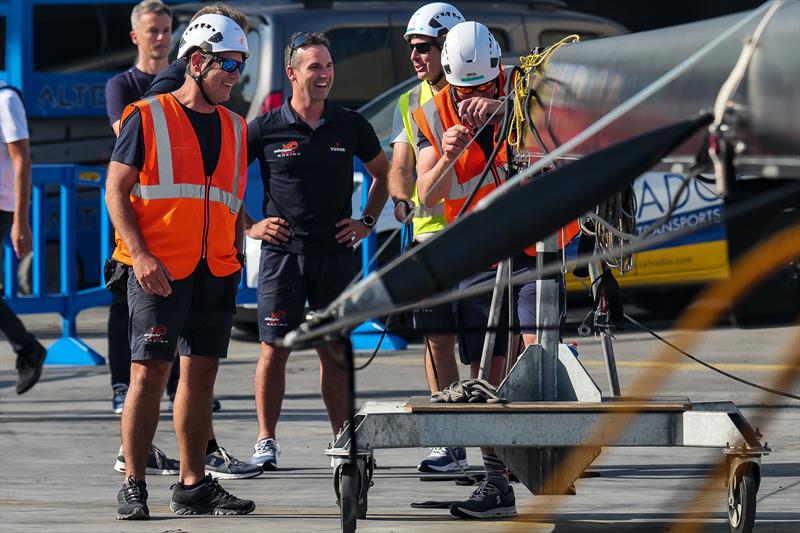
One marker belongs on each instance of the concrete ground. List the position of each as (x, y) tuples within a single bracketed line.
[(58, 444)]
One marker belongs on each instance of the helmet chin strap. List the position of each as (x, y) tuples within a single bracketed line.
[(435, 82), (199, 81)]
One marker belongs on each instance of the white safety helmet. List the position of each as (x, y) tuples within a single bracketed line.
[(213, 33), (470, 55), (433, 20)]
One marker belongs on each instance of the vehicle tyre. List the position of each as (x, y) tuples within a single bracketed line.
[(742, 501), (773, 301)]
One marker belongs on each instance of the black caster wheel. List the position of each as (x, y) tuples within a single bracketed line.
[(742, 501)]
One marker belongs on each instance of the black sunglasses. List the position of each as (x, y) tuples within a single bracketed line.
[(422, 48), (226, 64), (298, 42)]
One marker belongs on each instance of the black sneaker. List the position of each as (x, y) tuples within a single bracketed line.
[(208, 498), (222, 465), (158, 464), (29, 368), (488, 501), (132, 499)]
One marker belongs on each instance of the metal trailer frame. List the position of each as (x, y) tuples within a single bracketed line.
[(554, 426)]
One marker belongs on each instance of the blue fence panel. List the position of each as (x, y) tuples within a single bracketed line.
[(370, 335), (69, 300)]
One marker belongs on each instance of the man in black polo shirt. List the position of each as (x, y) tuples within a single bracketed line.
[(305, 150)]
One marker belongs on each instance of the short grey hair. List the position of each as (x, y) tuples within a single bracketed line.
[(148, 6)]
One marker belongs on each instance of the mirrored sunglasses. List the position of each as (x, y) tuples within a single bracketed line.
[(227, 64), (476, 89)]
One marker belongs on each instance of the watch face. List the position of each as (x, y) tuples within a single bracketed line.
[(368, 220)]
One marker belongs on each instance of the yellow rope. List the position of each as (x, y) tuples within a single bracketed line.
[(529, 64)]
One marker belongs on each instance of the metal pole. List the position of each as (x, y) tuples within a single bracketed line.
[(494, 318), (547, 318), (511, 347), (596, 269)]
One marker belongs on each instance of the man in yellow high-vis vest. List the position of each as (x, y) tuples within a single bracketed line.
[(425, 34)]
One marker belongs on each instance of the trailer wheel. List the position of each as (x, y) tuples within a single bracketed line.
[(349, 481), (742, 501), (366, 466)]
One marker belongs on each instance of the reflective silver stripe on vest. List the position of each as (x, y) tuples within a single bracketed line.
[(186, 190), (413, 103), (163, 144), (434, 123), (167, 189), (422, 211), (458, 191), (237, 150)]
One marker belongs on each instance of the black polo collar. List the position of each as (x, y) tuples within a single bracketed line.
[(289, 116)]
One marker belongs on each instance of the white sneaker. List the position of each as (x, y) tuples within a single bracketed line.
[(265, 453)]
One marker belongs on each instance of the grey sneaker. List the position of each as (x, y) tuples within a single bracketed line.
[(265, 454), (488, 501), (158, 464), (132, 500), (222, 465), (208, 498)]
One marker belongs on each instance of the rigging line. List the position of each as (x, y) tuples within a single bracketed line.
[(623, 108), (731, 84), (410, 215), (708, 365), (738, 210)]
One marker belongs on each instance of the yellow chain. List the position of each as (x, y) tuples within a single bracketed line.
[(529, 64)]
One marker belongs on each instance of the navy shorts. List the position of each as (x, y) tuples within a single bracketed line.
[(526, 305), (286, 280), (196, 317), (472, 313)]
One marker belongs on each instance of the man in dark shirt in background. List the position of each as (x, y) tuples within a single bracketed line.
[(151, 32), (305, 150)]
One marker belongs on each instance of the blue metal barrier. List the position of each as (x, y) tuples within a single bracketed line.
[(367, 336), (69, 300)]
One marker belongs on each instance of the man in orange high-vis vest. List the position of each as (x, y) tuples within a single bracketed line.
[(174, 192), (447, 122)]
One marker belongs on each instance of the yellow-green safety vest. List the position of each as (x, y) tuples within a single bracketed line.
[(425, 220)]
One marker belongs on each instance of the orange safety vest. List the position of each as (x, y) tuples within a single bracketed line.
[(183, 214), (434, 118)]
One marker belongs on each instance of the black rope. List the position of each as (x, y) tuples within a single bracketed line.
[(378, 347), (707, 365)]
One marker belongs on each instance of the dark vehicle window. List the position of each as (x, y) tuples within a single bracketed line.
[(104, 43), (243, 92), (363, 66), (551, 37), (2, 43)]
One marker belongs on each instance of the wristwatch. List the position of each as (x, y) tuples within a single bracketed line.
[(368, 221)]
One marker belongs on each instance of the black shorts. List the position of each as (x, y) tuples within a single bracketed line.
[(437, 319), (196, 317), (286, 280)]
